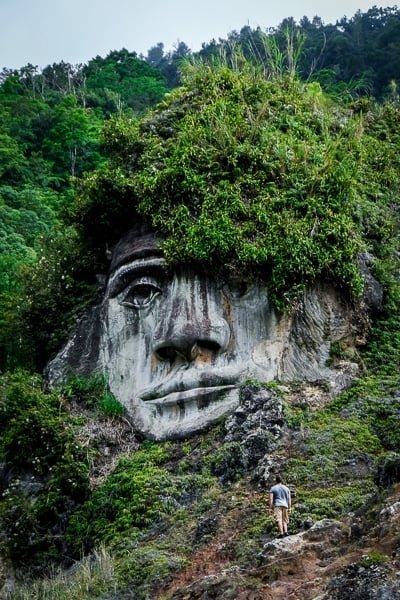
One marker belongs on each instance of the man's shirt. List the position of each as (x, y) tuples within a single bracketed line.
[(281, 495)]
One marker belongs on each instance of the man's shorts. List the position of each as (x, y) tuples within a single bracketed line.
[(281, 514)]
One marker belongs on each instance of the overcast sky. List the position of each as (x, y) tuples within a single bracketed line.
[(45, 31)]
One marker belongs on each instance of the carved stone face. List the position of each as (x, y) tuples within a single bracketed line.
[(175, 345)]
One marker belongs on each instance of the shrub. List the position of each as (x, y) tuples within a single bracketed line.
[(47, 471), (140, 492), (329, 444), (330, 501), (388, 470), (373, 400), (93, 393)]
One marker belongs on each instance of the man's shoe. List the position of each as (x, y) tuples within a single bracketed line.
[(285, 534)]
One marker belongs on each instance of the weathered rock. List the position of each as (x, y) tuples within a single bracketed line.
[(330, 530), (260, 410), (359, 582), (373, 291), (327, 531), (213, 587), (256, 425)]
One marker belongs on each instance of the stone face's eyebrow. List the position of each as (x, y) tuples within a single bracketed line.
[(135, 245), (126, 272)]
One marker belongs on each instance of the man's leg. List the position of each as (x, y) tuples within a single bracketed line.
[(285, 521), (278, 517)]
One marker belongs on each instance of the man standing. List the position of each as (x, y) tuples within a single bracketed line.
[(280, 503)]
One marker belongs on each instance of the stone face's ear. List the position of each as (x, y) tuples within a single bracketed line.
[(321, 318)]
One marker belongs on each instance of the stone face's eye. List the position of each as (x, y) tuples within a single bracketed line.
[(140, 294)]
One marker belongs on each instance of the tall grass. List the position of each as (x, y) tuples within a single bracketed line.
[(91, 576)]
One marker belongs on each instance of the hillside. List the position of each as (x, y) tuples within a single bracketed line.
[(189, 519), (52, 119), (253, 191)]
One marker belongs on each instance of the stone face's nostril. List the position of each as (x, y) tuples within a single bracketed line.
[(167, 353), (209, 345), (204, 348)]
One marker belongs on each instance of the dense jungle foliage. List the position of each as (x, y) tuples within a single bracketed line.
[(276, 157), (50, 135), (51, 121)]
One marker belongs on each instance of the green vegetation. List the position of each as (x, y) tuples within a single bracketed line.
[(93, 393), (374, 558), (353, 56), (93, 576), (256, 176), (232, 179), (48, 470), (137, 494), (165, 502), (249, 169), (332, 502), (49, 136), (244, 166), (346, 450), (372, 401)]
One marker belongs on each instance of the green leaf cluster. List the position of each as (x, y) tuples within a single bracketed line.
[(122, 80), (373, 401), (139, 493), (331, 502), (330, 445), (50, 123), (56, 289), (263, 177), (93, 393), (47, 471)]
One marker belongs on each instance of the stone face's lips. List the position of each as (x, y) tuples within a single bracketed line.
[(188, 395), (188, 387)]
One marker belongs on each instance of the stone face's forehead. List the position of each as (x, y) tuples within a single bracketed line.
[(137, 243)]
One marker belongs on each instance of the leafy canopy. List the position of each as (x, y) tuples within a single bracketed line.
[(257, 175)]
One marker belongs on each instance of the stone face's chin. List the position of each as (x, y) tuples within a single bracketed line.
[(180, 413)]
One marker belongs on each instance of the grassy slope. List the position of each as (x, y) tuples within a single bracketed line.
[(175, 513)]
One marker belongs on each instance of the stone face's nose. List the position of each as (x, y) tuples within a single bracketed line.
[(192, 325), (187, 350)]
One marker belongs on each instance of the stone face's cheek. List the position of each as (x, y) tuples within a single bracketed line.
[(127, 350), (253, 323)]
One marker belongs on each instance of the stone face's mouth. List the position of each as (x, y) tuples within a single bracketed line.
[(188, 400), (183, 386), (198, 393)]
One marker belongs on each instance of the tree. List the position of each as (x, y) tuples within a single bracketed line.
[(123, 80), (155, 55), (72, 143)]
